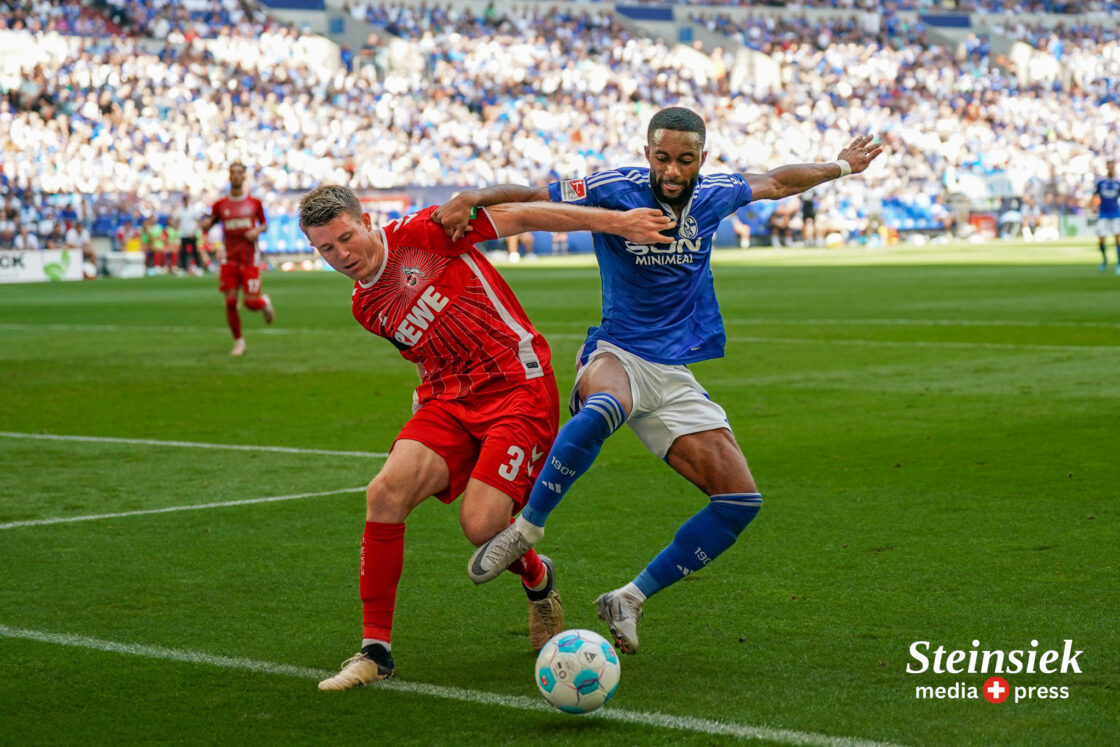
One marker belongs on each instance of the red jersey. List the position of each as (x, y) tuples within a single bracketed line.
[(237, 215), (446, 308)]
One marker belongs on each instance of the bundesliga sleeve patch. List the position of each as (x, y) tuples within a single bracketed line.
[(573, 190)]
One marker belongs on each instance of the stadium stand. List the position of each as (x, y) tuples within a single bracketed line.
[(113, 109)]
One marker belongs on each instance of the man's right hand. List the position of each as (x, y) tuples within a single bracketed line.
[(455, 215), (646, 226)]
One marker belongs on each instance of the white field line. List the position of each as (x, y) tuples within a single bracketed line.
[(191, 444), (172, 509), (659, 720)]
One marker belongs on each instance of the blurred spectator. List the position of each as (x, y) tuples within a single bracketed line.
[(25, 240), (780, 222), (56, 239), (742, 230), (809, 217), (78, 237), (191, 259), (153, 242)]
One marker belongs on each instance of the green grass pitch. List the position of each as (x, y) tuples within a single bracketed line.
[(936, 433)]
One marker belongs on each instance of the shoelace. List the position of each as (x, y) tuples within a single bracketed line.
[(351, 660)]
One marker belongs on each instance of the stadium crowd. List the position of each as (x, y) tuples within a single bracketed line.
[(105, 129), (889, 6)]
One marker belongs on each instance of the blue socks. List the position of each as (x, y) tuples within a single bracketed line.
[(700, 540), (573, 453)]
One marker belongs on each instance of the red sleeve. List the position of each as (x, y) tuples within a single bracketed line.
[(261, 220), (480, 228), (436, 240)]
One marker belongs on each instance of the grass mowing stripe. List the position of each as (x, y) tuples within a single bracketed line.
[(170, 509), (192, 444), (899, 343), (928, 344), (879, 322), (875, 322), (679, 723), (927, 322), (56, 327)]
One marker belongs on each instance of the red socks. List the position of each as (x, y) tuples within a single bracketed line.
[(530, 568), (254, 304), (233, 317), (382, 559)]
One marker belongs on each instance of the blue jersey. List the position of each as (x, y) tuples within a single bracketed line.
[(659, 301), (1109, 192)]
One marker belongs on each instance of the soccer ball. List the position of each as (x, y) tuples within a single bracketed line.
[(577, 671)]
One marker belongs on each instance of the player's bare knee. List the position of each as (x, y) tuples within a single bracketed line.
[(387, 501), (479, 527)]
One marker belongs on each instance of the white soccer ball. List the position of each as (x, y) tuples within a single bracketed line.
[(577, 671)]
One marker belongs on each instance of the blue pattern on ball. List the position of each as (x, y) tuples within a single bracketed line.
[(586, 682), (546, 679)]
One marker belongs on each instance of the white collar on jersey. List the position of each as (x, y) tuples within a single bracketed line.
[(669, 208), (384, 260)]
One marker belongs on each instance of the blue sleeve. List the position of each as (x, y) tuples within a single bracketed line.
[(744, 194), (574, 191), (730, 192)]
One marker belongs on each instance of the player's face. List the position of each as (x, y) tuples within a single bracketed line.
[(674, 159), (348, 245), (236, 176)]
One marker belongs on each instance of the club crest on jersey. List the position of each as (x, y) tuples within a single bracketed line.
[(573, 190), (412, 276), (688, 229)]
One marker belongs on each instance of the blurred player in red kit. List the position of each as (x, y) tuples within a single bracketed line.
[(486, 410), (242, 218)]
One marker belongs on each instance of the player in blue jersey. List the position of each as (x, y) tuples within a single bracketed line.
[(1107, 197), (659, 314)]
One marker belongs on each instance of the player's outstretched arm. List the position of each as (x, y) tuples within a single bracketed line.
[(796, 178), (640, 225), (455, 214)]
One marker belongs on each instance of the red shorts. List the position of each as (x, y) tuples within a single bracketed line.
[(248, 277), (501, 439)]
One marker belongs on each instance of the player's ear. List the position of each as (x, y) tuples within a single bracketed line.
[(703, 156), (367, 222)]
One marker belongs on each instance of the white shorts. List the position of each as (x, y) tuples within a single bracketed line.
[(1108, 227), (668, 401)]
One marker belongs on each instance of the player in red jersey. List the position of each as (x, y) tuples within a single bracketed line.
[(486, 410), (242, 218)]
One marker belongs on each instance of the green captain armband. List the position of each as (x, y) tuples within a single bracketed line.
[(474, 213)]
